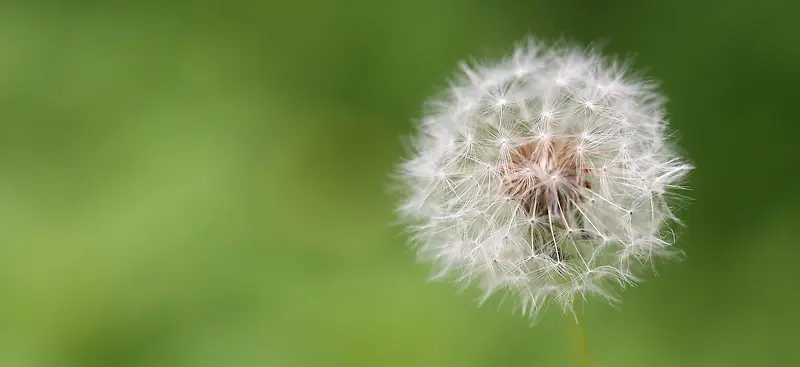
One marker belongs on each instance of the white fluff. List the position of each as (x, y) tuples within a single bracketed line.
[(545, 175)]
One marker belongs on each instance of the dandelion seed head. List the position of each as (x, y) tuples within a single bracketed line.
[(546, 175)]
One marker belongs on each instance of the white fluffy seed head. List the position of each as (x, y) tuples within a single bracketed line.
[(545, 175)]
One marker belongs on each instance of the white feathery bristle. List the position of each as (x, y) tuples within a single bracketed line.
[(545, 175)]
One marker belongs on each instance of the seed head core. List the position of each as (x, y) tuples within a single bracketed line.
[(546, 177)]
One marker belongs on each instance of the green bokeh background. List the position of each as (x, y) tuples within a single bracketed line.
[(200, 183)]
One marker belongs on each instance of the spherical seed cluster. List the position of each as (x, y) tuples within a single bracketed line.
[(546, 175)]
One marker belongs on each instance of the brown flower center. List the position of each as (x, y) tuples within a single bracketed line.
[(546, 177)]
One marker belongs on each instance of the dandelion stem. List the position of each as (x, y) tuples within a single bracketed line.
[(578, 341)]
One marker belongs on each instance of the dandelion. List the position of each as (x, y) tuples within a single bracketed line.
[(548, 175)]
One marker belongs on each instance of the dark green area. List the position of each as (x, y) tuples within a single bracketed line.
[(203, 184)]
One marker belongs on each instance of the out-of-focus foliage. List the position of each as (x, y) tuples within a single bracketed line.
[(203, 184)]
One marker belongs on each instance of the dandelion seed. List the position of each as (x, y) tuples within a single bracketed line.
[(546, 175)]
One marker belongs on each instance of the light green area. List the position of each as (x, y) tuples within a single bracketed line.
[(204, 184)]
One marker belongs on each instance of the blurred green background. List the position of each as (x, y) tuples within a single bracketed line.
[(201, 183)]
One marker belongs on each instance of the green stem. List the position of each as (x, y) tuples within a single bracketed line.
[(578, 341)]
